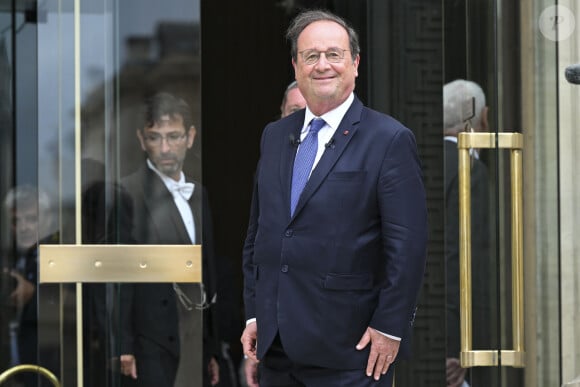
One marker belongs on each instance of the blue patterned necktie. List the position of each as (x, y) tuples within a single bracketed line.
[(304, 160)]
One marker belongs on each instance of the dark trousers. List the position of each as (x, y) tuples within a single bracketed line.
[(277, 370)]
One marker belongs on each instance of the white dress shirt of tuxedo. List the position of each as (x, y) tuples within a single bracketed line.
[(180, 202)]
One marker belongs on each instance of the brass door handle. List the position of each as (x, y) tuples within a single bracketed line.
[(29, 368), (511, 357)]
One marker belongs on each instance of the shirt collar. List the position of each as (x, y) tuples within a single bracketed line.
[(169, 182), (333, 117), (473, 152)]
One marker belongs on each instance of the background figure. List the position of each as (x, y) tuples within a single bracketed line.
[(292, 101), (464, 109), (161, 322), (101, 199), (335, 250), (29, 211)]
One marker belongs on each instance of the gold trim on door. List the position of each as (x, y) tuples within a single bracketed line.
[(506, 357), (120, 263)]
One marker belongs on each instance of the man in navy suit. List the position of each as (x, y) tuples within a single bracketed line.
[(332, 271)]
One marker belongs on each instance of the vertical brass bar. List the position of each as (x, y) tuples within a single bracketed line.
[(78, 193), (517, 250), (465, 249), (60, 166)]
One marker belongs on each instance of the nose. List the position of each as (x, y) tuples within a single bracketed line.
[(322, 62), (164, 144)]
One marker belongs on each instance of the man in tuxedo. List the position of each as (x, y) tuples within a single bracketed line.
[(167, 208), (336, 244), (464, 109)]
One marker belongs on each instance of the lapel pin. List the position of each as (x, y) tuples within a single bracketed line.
[(345, 132)]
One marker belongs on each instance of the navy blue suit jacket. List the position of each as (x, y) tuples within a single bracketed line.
[(353, 254)]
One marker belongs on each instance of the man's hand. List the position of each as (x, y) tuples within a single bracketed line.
[(213, 370), (129, 366), (383, 352), (455, 374), (24, 290), (249, 340), (251, 372)]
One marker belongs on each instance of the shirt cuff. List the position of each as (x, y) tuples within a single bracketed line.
[(249, 321), (389, 336)]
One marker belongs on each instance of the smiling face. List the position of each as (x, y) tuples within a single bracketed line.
[(166, 144), (325, 85)]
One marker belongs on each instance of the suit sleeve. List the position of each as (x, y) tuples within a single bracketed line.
[(403, 213), (248, 251)]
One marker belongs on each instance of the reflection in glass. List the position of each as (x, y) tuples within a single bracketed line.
[(465, 109), (161, 327)]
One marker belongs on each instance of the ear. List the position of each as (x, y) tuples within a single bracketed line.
[(484, 124), (355, 64), (191, 136), (141, 140), (294, 65)]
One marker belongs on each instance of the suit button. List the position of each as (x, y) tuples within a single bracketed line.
[(164, 302), (284, 269), (171, 339), (289, 233)]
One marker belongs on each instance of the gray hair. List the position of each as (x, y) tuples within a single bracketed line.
[(306, 18), (27, 196), (292, 85), (456, 95)]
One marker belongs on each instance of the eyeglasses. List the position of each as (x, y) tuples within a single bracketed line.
[(172, 139), (333, 55)]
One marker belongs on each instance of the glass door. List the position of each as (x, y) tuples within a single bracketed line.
[(79, 273), (483, 196)]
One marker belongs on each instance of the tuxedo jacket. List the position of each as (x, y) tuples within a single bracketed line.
[(352, 255), (149, 311)]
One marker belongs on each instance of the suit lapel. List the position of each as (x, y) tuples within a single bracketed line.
[(342, 136), (164, 212)]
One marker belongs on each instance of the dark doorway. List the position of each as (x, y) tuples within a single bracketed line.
[(245, 69)]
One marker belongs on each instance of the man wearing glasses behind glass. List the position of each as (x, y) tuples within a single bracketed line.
[(158, 319), (336, 244)]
